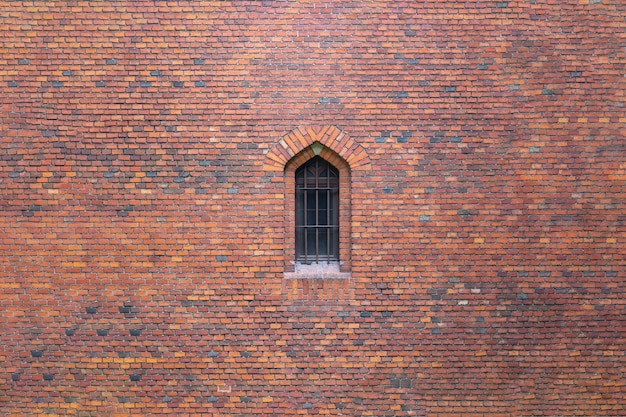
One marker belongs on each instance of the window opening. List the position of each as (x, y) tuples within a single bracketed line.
[(317, 212)]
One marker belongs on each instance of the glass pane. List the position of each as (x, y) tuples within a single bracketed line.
[(322, 217), (311, 243), (334, 249), (310, 199), (331, 206), (322, 199), (311, 182), (323, 243)]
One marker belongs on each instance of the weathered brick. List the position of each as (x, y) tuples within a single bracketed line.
[(147, 208)]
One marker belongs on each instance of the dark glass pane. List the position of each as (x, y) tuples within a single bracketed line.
[(310, 218), (311, 244), (322, 217), (322, 205), (311, 182), (323, 198), (310, 199), (331, 207), (323, 243), (334, 243)]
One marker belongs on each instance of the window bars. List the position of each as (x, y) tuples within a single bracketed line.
[(317, 212)]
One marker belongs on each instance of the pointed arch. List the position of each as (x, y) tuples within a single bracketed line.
[(338, 149), (302, 138)]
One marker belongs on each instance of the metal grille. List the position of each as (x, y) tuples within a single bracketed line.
[(317, 212)]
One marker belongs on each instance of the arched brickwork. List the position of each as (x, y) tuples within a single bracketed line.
[(301, 138), (336, 147)]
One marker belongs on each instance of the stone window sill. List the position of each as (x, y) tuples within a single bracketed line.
[(325, 270)]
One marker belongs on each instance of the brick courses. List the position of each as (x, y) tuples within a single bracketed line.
[(144, 208)]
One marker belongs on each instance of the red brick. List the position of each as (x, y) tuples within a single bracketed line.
[(147, 208)]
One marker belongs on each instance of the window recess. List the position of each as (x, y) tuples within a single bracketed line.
[(317, 212)]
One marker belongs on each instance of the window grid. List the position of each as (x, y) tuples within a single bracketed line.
[(317, 212)]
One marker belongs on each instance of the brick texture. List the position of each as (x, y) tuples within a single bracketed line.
[(146, 162)]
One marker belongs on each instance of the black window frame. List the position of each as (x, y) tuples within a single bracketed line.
[(317, 212)]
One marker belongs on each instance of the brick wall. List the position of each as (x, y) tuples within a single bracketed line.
[(147, 149)]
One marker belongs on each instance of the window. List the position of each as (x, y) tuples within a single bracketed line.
[(317, 212)]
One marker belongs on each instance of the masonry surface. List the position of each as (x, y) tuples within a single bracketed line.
[(144, 208)]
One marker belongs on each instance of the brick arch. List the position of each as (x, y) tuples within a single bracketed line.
[(302, 138), (296, 148)]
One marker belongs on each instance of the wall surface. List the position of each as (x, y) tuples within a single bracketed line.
[(147, 149)]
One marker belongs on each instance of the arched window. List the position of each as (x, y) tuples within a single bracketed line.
[(317, 212), (298, 147)]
